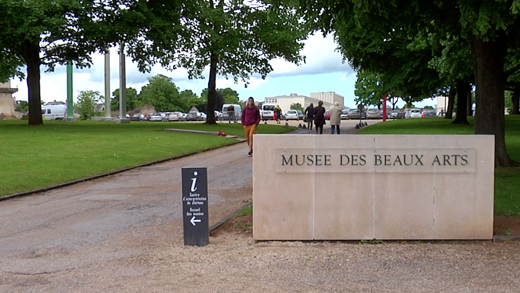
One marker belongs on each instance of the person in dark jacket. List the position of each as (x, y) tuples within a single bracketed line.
[(309, 111), (250, 119), (319, 118)]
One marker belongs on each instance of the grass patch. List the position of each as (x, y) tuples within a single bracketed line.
[(39, 156), (241, 224), (245, 211), (507, 180)]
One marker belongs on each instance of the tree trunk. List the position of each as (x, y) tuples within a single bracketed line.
[(451, 102), (212, 90), (462, 97), (488, 66), (31, 56), (515, 97)]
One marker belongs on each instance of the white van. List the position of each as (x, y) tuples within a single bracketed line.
[(54, 111), (238, 112), (267, 112)]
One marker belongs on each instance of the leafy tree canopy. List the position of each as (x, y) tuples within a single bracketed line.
[(86, 102), (162, 93), (52, 32), (132, 100), (234, 38)]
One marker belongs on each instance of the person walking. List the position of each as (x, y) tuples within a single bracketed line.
[(250, 119), (309, 112), (319, 118), (231, 114), (335, 118), (278, 112)]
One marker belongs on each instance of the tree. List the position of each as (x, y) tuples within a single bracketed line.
[(489, 26), (162, 93), (23, 106), (296, 106), (229, 96), (233, 38), (46, 32), (223, 96), (132, 100), (86, 102)]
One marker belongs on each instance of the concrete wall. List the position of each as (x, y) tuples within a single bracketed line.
[(351, 187)]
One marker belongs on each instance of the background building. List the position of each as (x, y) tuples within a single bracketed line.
[(285, 102), (330, 98), (442, 104)]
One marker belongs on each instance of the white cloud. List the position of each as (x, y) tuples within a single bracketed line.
[(320, 54), (321, 57)]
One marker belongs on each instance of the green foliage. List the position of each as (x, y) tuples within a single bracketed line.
[(49, 32), (132, 99), (234, 38), (402, 42), (296, 106), (86, 102), (23, 106), (162, 93), (245, 211), (229, 95)]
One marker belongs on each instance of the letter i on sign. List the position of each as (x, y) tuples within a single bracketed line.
[(194, 182)]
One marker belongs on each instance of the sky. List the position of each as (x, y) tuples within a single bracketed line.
[(324, 71)]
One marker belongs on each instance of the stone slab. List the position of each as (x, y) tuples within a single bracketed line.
[(393, 187)]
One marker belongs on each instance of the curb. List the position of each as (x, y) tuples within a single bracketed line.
[(225, 219), (501, 238)]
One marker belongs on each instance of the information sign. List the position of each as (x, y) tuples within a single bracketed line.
[(195, 206)]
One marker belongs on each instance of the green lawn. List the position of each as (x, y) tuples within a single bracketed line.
[(507, 180), (34, 157)]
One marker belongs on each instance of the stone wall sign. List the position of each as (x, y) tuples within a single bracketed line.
[(393, 187)]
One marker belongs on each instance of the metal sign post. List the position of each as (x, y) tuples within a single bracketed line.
[(195, 206)]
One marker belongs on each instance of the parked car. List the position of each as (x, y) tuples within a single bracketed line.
[(373, 113), (344, 114), (397, 114), (194, 116), (155, 117), (430, 113), (355, 114), (292, 115), (415, 113), (300, 114), (388, 115), (175, 116), (135, 117)]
